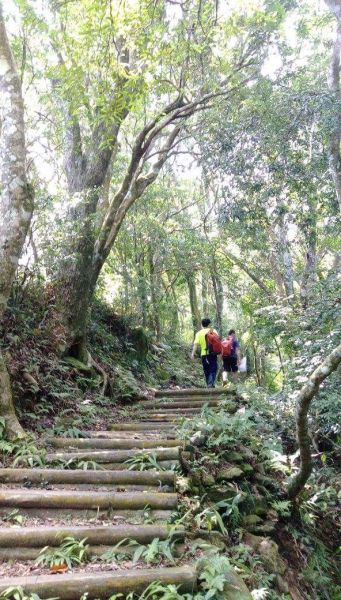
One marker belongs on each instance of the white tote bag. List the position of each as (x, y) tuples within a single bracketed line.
[(243, 365)]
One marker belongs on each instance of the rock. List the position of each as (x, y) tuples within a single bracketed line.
[(268, 550), (230, 407), (271, 559), (234, 457), (246, 468), (77, 364), (246, 452), (255, 504), (229, 473), (235, 588), (261, 507), (199, 438), (218, 493), (282, 585), (208, 479), (251, 520), (266, 481), (265, 529), (253, 541), (214, 538)]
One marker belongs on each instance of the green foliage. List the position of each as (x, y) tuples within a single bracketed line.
[(71, 552), (18, 593), (152, 554), (144, 462)]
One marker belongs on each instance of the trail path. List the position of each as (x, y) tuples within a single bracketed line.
[(103, 506)]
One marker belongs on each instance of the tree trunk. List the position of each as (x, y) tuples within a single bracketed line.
[(193, 300), (285, 258), (219, 299), (334, 86), (74, 282), (204, 294), (142, 289), (307, 393), (154, 293), (16, 202), (309, 273)]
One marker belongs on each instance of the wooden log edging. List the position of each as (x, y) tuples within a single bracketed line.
[(78, 476), (65, 499), (104, 584)]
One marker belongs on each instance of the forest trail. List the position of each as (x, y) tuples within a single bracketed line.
[(118, 503)]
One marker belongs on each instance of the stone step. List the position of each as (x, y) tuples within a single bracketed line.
[(186, 392), (115, 456), (102, 584), (119, 444), (64, 499), (79, 476)]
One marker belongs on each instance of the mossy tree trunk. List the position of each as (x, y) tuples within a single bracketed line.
[(16, 202), (307, 393)]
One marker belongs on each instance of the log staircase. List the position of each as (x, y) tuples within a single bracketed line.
[(75, 500)]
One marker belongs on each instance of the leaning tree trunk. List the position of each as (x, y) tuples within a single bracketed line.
[(307, 393), (16, 202)]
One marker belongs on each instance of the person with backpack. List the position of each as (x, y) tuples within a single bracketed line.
[(230, 353), (209, 343)]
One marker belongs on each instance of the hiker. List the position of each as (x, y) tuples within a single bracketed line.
[(208, 341), (231, 357)]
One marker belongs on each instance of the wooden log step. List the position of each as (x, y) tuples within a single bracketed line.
[(134, 516), (177, 412), (103, 584), (81, 443), (171, 417), (184, 392), (31, 537), (137, 426), (64, 499), (114, 456), (79, 476), (183, 403), (30, 554), (167, 433)]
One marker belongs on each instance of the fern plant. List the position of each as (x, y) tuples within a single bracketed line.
[(282, 507)]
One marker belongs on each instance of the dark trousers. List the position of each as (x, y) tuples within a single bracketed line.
[(210, 366)]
